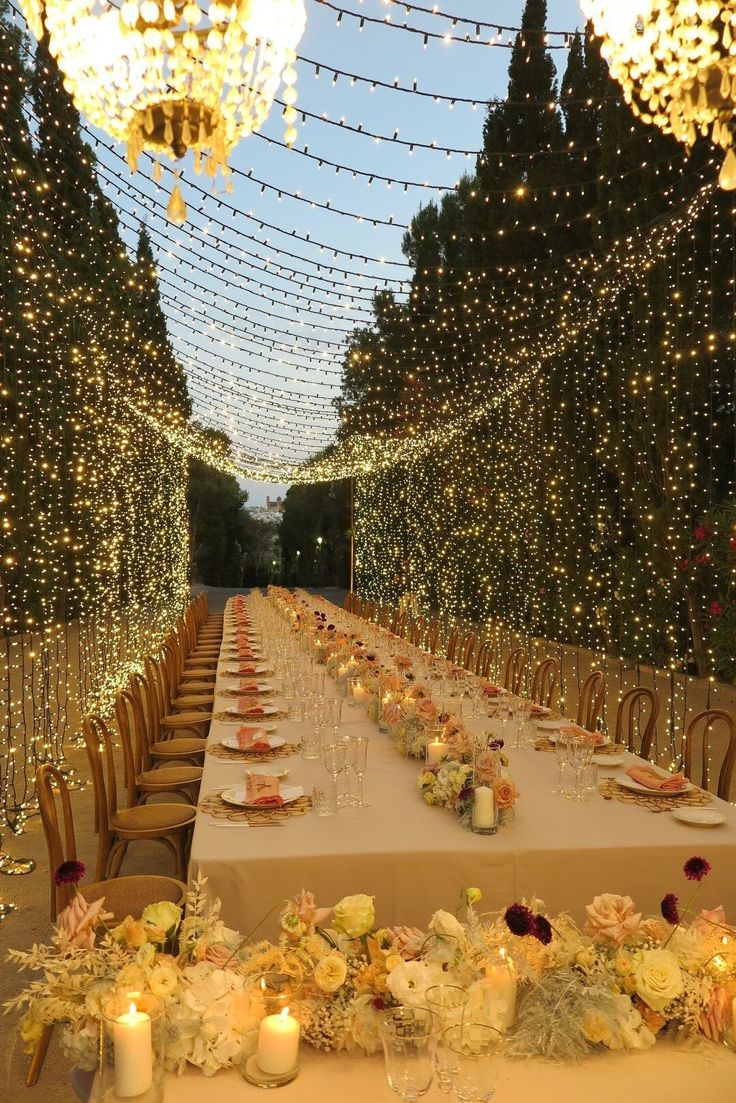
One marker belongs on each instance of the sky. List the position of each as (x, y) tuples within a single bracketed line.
[(261, 288)]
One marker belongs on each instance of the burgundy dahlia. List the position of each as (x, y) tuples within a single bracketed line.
[(669, 909), (542, 929), (695, 869), (519, 919), (70, 873)]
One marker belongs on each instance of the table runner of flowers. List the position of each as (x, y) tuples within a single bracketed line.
[(620, 982)]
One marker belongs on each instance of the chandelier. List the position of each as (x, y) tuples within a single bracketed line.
[(168, 76), (676, 63)]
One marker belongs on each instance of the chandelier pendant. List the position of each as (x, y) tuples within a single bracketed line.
[(168, 77), (676, 63)]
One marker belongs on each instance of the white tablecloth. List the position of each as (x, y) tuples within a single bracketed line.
[(415, 859), (662, 1075)]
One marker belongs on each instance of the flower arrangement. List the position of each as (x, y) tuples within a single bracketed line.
[(620, 982), (451, 783)]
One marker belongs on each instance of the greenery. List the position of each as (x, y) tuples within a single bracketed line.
[(310, 512), (568, 507)]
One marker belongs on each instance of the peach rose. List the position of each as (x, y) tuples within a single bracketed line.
[(391, 713), (486, 766), (427, 711), (707, 918), (612, 918), (79, 919), (505, 792)]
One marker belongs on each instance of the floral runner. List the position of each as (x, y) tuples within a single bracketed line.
[(611, 790), (216, 807), (246, 718)]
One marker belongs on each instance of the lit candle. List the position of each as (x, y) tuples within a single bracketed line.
[(484, 812), (504, 982), (436, 751), (360, 693), (133, 1053), (278, 1043)]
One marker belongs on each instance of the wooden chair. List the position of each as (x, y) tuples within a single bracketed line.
[(123, 896), (348, 602), (141, 778), (167, 824), (485, 659), (171, 739), (467, 653), (417, 631), (452, 643), (544, 682), (384, 617), (591, 700), (401, 624), (636, 719), (699, 731), (433, 635), (195, 694), (514, 670)]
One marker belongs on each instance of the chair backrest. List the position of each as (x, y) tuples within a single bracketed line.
[(698, 743), (433, 635), (544, 682), (401, 620), (147, 707), (514, 670), (50, 788), (484, 659), (348, 602), (636, 720), (417, 631), (591, 700), (384, 616), (98, 742), (161, 691), (133, 738), (467, 656), (452, 643), (369, 610)]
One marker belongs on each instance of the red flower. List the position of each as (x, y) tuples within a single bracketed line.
[(702, 532), (519, 920), (716, 609), (669, 909), (702, 558), (542, 929), (732, 544), (70, 873), (684, 564), (695, 869)]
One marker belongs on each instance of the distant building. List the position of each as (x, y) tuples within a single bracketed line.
[(269, 513), (275, 505)]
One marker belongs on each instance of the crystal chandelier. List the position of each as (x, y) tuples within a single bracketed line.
[(168, 76), (676, 63)]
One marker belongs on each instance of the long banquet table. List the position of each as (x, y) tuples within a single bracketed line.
[(415, 858)]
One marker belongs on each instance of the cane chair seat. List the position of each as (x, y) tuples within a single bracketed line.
[(169, 779), (152, 819), (177, 748), (185, 720), (196, 689), (126, 896), (199, 668), (194, 700)]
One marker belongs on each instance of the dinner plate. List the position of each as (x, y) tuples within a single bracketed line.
[(554, 736), (540, 711), (700, 817), (260, 668), (552, 725), (269, 768), (289, 794), (231, 742), (266, 710), (608, 759), (629, 783)]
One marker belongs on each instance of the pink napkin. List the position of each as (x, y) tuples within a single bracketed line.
[(575, 729), (262, 789), (245, 704), (249, 687), (648, 777), (251, 739)]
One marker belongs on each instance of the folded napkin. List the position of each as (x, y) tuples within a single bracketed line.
[(249, 687), (650, 779), (262, 789), (538, 710), (575, 729), (246, 705), (251, 739), (245, 669)]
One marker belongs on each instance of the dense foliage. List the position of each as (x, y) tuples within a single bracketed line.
[(568, 341)]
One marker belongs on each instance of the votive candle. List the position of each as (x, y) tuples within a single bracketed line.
[(278, 1043)]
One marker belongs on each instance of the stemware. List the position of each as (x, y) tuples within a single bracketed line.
[(448, 1002), (476, 1052), (333, 756), (562, 762), (358, 762), (335, 707), (409, 1035)]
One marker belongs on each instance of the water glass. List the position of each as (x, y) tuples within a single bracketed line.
[(475, 1059), (408, 1036), (448, 1002), (357, 759), (324, 799), (589, 780), (334, 756)]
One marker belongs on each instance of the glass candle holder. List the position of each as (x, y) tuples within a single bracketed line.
[(729, 1025), (279, 990), (484, 815), (276, 1061), (358, 692), (132, 1049)]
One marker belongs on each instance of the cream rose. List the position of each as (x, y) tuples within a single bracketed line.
[(658, 978), (612, 918), (445, 925), (330, 972), (165, 916), (164, 980), (355, 915)]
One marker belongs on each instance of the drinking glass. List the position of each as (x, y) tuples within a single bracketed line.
[(335, 707), (476, 1059), (589, 782), (324, 799), (408, 1035), (358, 762), (448, 1002), (333, 756), (562, 762)]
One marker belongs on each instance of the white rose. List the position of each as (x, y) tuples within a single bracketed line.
[(689, 947), (330, 972), (363, 1023), (164, 915), (355, 915), (164, 980), (409, 981), (658, 978), (445, 925)]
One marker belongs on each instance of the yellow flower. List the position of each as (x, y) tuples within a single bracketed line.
[(131, 932), (354, 915), (393, 961), (330, 972), (596, 1027), (164, 979)]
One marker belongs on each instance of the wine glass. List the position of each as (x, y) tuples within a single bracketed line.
[(408, 1035), (335, 707), (448, 1002), (562, 762), (333, 756), (476, 1052), (358, 762)]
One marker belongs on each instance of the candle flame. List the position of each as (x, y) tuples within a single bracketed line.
[(285, 1013)]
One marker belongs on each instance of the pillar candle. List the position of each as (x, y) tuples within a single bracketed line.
[(503, 979), (484, 813), (436, 751), (133, 1053), (278, 1043)]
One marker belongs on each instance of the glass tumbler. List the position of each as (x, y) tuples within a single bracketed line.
[(132, 1049), (408, 1036)]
